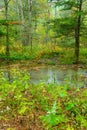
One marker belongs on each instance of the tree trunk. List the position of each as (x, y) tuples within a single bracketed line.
[(7, 32), (23, 24), (30, 22), (18, 14), (55, 24), (77, 33)]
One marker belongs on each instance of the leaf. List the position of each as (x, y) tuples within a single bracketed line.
[(69, 128), (22, 110), (52, 119), (70, 106)]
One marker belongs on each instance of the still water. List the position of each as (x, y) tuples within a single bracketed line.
[(73, 76), (60, 75)]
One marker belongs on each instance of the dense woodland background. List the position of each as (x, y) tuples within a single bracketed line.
[(37, 24)]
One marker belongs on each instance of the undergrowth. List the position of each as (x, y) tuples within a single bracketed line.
[(64, 55), (43, 106)]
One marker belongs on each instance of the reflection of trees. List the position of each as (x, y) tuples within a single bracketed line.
[(71, 77), (76, 78), (7, 73), (79, 79)]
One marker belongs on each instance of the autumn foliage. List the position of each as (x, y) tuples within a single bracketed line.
[(14, 22), (4, 22)]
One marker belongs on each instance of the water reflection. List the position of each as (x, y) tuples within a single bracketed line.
[(48, 74), (60, 76)]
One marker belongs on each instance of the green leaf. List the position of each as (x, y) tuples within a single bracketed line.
[(70, 106), (22, 110)]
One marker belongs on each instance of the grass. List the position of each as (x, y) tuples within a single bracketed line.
[(42, 106)]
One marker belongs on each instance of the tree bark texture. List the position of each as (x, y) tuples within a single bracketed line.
[(77, 33), (7, 31)]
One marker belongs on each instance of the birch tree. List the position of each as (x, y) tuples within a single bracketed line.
[(23, 23), (30, 21)]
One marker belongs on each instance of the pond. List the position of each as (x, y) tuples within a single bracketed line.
[(73, 76), (60, 75)]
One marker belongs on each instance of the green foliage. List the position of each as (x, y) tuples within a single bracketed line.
[(64, 26), (52, 118), (66, 56), (57, 107), (83, 55), (2, 33), (48, 54), (3, 22)]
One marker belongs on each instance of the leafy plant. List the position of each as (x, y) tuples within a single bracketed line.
[(52, 106)]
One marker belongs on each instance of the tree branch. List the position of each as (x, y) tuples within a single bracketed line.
[(8, 1)]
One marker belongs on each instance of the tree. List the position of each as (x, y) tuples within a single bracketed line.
[(6, 23), (30, 21), (70, 21), (23, 21), (77, 30), (6, 2)]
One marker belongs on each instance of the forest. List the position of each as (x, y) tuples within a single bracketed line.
[(43, 64)]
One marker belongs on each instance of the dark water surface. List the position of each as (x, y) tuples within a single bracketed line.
[(74, 76)]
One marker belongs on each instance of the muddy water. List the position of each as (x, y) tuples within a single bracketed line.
[(73, 76), (60, 75)]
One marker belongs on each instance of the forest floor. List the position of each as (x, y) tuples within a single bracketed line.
[(41, 106), (75, 104)]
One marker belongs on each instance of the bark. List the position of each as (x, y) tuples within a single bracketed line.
[(30, 22), (7, 31), (23, 23), (18, 12), (17, 7), (77, 34), (55, 24), (47, 24)]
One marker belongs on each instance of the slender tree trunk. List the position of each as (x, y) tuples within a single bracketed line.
[(55, 24), (17, 7), (35, 23), (30, 22), (18, 13), (23, 23), (77, 33), (7, 32), (47, 23)]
